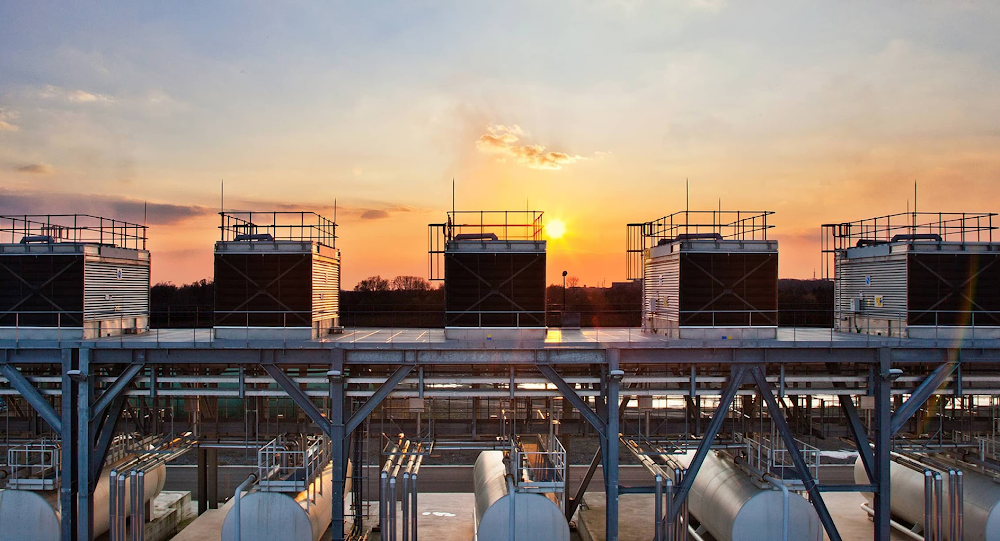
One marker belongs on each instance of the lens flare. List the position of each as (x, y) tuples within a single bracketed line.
[(555, 229)]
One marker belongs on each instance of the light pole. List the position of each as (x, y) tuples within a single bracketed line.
[(564, 291)]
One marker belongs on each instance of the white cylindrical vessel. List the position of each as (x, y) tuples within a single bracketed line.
[(981, 499), (27, 515), (535, 516), (732, 508), (269, 516)]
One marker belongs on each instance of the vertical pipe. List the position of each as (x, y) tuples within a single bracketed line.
[(510, 495), (413, 505), (784, 503), (952, 504), (134, 499), (938, 507), (248, 482), (668, 489), (122, 478), (960, 505), (141, 508), (406, 506), (658, 514), (112, 506), (383, 506), (392, 508), (928, 505)]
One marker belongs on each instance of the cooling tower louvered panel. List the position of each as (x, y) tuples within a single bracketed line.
[(876, 285), (41, 290), (266, 289), (661, 286), (958, 289), (734, 289), (326, 285), (495, 289), (116, 289)]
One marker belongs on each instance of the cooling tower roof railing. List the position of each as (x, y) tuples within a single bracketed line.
[(253, 226), (71, 228), (692, 225)]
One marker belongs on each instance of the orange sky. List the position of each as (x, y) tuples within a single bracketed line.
[(592, 111)]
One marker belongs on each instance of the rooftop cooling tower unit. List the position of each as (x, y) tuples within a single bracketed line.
[(493, 267), (706, 274), (922, 275), (72, 276), (277, 276)]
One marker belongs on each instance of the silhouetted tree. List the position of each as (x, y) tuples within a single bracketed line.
[(373, 283), (410, 283)]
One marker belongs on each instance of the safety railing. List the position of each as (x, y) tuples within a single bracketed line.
[(276, 226), (34, 466), (769, 454), (541, 465), (71, 228), (290, 465)]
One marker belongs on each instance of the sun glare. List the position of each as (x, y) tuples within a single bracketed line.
[(555, 229)]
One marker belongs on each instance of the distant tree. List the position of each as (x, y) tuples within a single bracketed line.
[(410, 283), (572, 281), (373, 283)]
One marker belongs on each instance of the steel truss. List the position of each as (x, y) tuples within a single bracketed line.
[(599, 380)]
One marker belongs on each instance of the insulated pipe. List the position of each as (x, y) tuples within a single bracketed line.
[(112, 501), (668, 488), (122, 478), (133, 509), (413, 504), (510, 493), (960, 496), (928, 505), (406, 505), (784, 503), (658, 531), (939, 505), (952, 505), (248, 482)]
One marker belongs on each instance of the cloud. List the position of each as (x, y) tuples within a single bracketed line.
[(109, 206), (34, 169), (73, 96), (4, 124), (503, 141), (374, 214)]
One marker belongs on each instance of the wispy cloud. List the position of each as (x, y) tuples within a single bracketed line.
[(34, 169), (121, 208), (505, 141), (374, 214), (5, 125), (73, 96)]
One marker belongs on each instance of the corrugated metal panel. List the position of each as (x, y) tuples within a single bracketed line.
[(661, 287), (326, 287), (867, 278), (115, 289)]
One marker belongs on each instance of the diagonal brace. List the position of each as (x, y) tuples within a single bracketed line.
[(681, 491), (300, 398), (31, 394), (103, 439), (115, 389), (374, 400), (778, 418), (921, 394), (859, 435), (570, 394)]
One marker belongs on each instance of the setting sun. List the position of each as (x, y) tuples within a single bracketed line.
[(555, 229)]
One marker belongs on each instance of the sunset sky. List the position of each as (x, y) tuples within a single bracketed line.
[(594, 112)]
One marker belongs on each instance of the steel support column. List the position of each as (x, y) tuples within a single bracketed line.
[(85, 447), (883, 444), (340, 444), (67, 475), (611, 436), (778, 418)]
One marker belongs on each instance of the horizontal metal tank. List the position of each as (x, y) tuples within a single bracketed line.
[(27, 515), (269, 516), (981, 500), (535, 516), (732, 508)]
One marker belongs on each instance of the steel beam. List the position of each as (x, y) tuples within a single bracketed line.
[(31, 394), (119, 385), (738, 375), (570, 394), (924, 391), (778, 418), (300, 398)]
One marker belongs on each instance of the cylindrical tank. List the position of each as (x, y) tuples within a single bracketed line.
[(27, 515), (535, 516), (981, 499), (732, 508), (268, 516)]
